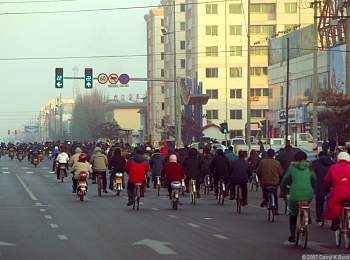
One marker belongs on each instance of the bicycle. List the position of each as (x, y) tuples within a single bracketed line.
[(99, 184), (207, 184), (158, 185), (344, 227), (221, 193), (193, 191), (176, 187), (271, 203), (137, 196), (302, 230), (254, 181), (238, 193), (183, 188)]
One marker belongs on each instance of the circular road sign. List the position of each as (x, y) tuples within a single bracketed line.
[(102, 78), (113, 78), (124, 79)]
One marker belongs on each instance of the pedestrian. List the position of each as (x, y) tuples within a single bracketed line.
[(321, 167), (239, 176)]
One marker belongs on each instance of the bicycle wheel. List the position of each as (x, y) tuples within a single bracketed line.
[(219, 198), (297, 237), (222, 199), (305, 236), (138, 203), (158, 190), (99, 186), (175, 204), (238, 201), (338, 234)]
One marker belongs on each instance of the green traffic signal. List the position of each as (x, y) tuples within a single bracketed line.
[(88, 78), (59, 78)]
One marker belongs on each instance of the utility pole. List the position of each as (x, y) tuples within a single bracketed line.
[(248, 124), (61, 117), (226, 76), (315, 79), (347, 40), (287, 95)]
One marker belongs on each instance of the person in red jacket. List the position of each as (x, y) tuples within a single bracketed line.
[(136, 167), (172, 171), (338, 181)]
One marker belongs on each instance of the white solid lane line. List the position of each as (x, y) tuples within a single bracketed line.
[(220, 236), (30, 193), (62, 237), (193, 225)]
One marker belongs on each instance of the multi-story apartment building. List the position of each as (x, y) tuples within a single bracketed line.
[(217, 48), (180, 49), (155, 72)]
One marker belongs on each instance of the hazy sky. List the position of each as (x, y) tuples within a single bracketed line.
[(26, 85)]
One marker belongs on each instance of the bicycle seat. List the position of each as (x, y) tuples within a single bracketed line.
[(271, 188), (303, 203), (345, 203), (176, 185)]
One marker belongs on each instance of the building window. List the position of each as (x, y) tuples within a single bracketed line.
[(236, 72), (212, 51), (162, 55), (213, 114), (162, 89), (211, 30), (263, 29), (161, 39), (163, 122), (236, 93), (212, 72), (236, 133), (236, 114), (161, 22), (213, 93), (235, 8), (258, 71), (163, 106), (256, 113), (211, 8), (182, 8), (266, 92), (263, 8), (183, 63), (235, 50), (182, 45), (162, 72), (290, 8), (235, 29), (259, 50), (182, 26)]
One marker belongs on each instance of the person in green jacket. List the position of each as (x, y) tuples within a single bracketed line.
[(302, 183)]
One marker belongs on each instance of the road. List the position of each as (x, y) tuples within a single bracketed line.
[(40, 218)]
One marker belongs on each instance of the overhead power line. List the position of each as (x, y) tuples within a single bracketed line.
[(110, 9), (36, 1), (147, 55)]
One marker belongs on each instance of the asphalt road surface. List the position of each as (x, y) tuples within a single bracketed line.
[(40, 218)]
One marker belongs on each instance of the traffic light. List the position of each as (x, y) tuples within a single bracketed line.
[(88, 78), (15, 132), (8, 132), (224, 128), (59, 78)]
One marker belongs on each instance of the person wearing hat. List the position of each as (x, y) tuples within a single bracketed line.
[(302, 183), (172, 171), (338, 181)]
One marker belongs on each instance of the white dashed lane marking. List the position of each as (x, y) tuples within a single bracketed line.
[(54, 226), (155, 209), (193, 225), (29, 172), (172, 216), (42, 210), (208, 218), (220, 236), (62, 237), (48, 216)]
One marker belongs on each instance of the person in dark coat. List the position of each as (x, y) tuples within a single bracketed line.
[(220, 169), (285, 157), (116, 164), (156, 163), (192, 168), (320, 167), (239, 176)]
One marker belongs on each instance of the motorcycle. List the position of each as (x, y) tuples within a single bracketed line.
[(20, 156), (11, 154), (35, 161), (82, 185), (50, 156), (118, 183), (41, 156)]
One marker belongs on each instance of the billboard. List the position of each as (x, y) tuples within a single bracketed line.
[(31, 129), (337, 68)]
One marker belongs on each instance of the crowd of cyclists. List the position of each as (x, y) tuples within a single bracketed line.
[(287, 173)]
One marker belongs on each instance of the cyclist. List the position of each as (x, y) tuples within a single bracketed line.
[(239, 176), (99, 163), (338, 181), (55, 153), (220, 168), (80, 166), (321, 167), (192, 168), (136, 167), (302, 182), (156, 164), (230, 154), (269, 173), (172, 171)]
